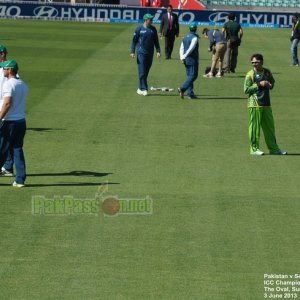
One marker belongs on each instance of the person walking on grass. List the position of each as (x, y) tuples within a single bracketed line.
[(189, 56), (12, 120), (145, 39), (257, 85), (7, 168), (169, 28)]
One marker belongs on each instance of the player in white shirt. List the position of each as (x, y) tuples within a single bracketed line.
[(7, 168), (12, 120)]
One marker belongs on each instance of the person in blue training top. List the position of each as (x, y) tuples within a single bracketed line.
[(145, 39), (218, 46), (189, 56)]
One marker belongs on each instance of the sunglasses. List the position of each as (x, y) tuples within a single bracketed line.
[(255, 62)]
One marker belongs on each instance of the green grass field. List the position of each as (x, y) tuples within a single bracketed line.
[(221, 218)]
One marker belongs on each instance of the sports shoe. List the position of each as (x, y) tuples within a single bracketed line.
[(218, 75), (18, 185), (6, 173), (192, 97), (279, 152), (257, 152), (181, 94), (208, 75), (143, 93)]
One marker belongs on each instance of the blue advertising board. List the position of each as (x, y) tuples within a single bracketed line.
[(100, 13)]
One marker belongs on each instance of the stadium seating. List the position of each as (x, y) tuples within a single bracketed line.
[(259, 3)]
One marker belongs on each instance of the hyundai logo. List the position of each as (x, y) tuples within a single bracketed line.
[(45, 11), (218, 17)]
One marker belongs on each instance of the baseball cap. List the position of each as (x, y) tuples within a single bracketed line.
[(148, 16), (10, 64), (3, 48), (193, 26)]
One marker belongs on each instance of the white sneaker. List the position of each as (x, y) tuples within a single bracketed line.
[(6, 173), (219, 75), (208, 75), (279, 152), (143, 93), (257, 152), (18, 185)]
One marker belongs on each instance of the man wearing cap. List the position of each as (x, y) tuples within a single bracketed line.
[(12, 120), (189, 56), (258, 83), (145, 39), (7, 168), (217, 45)]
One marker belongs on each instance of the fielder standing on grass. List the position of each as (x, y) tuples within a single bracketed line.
[(12, 120), (189, 56), (258, 83), (145, 39), (7, 168)]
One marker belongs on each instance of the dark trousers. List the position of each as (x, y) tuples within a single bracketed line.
[(192, 74), (144, 62), (169, 43), (11, 146), (230, 59)]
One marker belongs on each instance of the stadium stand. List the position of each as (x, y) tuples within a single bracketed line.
[(257, 3)]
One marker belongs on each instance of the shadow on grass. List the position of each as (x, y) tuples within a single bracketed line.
[(206, 97), (41, 129), (288, 154), (65, 184), (221, 98), (72, 173), (71, 184), (162, 95)]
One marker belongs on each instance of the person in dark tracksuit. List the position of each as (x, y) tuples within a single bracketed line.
[(145, 39), (189, 56)]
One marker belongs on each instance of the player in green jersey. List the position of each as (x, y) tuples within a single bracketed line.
[(258, 83)]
